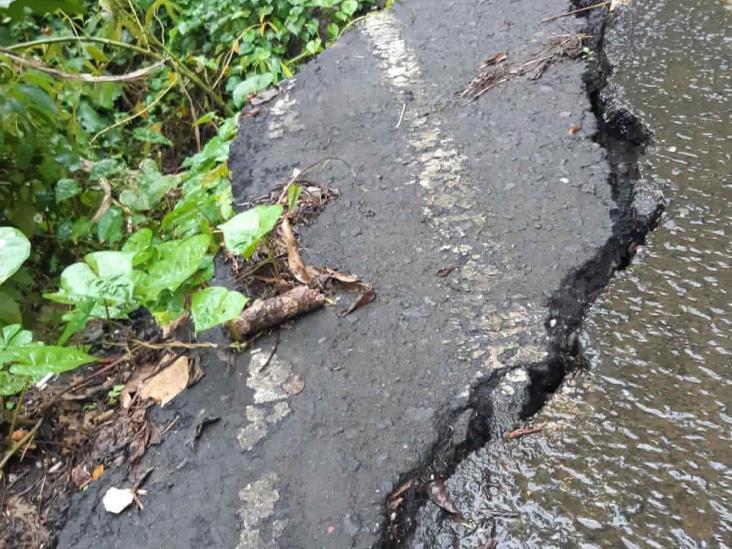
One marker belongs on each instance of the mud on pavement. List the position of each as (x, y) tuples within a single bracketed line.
[(506, 197)]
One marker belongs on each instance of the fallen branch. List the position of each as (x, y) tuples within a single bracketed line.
[(267, 313), (82, 76), (574, 12)]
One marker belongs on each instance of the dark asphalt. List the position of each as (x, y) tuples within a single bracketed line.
[(497, 187)]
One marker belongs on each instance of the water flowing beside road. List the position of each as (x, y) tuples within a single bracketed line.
[(636, 450)]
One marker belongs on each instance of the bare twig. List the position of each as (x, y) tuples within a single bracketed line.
[(106, 201), (137, 114), (401, 116), (570, 13), (25, 441), (82, 76)]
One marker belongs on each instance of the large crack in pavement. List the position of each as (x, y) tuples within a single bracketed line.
[(314, 437)]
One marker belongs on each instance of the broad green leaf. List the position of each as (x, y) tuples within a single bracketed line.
[(215, 305), (36, 360), (104, 94), (111, 263), (106, 280), (78, 319), (148, 135), (250, 86), (349, 7), (176, 262), (11, 384), (10, 312), (293, 194), (168, 308), (14, 335), (145, 191), (65, 189), (105, 168), (14, 250), (16, 9), (205, 119), (243, 232), (109, 226), (139, 243)]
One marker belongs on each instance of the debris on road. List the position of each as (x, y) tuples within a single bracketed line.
[(268, 313), (495, 72), (168, 383), (523, 431), (439, 496), (117, 500)]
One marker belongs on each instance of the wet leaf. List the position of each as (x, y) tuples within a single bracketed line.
[(36, 360), (168, 383), (11, 384), (97, 472), (294, 261), (439, 496), (293, 194), (243, 232), (215, 305), (176, 262), (14, 250), (364, 299)]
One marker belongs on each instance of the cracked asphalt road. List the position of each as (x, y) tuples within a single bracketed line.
[(497, 187)]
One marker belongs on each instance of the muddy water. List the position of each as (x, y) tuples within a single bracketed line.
[(637, 451)]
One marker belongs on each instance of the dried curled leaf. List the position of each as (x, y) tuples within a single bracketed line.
[(439, 496)]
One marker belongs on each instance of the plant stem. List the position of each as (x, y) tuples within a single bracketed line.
[(22, 442), (177, 63)]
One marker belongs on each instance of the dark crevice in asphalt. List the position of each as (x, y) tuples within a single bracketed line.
[(624, 138)]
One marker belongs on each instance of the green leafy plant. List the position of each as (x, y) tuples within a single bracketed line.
[(215, 305), (23, 361), (14, 250), (244, 232), (115, 124)]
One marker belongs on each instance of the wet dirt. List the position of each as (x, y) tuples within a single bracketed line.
[(314, 436), (635, 449)]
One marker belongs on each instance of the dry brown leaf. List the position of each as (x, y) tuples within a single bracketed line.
[(168, 383), (442, 273), (18, 435), (574, 129), (97, 472), (364, 299), (294, 261), (440, 497), (80, 476), (500, 57)]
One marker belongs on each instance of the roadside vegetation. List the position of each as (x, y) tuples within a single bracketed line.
[(115, 123)]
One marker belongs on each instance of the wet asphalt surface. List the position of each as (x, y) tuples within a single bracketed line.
[(498, 188)]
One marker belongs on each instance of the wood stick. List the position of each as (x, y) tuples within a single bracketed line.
[(267, 313), (555, 17)]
